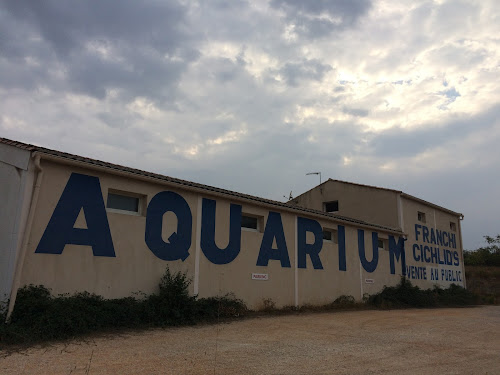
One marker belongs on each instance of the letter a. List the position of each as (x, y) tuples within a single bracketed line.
[(82, 192), (274, 230)]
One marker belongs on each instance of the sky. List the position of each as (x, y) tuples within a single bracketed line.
[(252, 95)]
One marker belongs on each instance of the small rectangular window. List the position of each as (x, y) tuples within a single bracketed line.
[(330, 235), (250, 222), (453, 226), (118, 201), (381, 244), (332, 206), (421, 217)]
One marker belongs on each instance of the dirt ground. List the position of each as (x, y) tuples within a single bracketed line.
[(434, 341)]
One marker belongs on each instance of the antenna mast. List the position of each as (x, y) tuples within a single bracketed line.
[(318, 173)]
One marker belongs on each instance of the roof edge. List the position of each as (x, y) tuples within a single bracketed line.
[(64, 156), (403, 194), (348, 183), (409, 196), (311, 189), (209, 190)]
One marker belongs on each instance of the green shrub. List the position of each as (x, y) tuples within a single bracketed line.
[(39, 316), (484, 256), (172, 305), (407, 295)]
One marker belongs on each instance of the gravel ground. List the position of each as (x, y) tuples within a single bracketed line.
[(439, 341)]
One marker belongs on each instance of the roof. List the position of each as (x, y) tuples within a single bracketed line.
[(345, 182), (185, 183), (403, 194)]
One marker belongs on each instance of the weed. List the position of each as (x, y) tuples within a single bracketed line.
[(268, 305)]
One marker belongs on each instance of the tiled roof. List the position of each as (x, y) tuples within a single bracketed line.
[(17, 144), (176, 181)]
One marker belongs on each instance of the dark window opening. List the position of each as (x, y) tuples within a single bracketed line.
[(331, 206), (330, 235), (381, 244), (421, 217), (249, 222), (453, 226), (122, 202)]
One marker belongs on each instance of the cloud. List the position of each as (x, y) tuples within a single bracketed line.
[(251, 95), (400, 142), (98, 47), (295, 72), (320, 18)]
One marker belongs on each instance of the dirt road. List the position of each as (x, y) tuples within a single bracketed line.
[(437, 341)]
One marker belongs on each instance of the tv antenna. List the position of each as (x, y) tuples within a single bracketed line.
[(318, 173)]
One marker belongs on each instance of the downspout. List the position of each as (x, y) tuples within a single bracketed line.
[(462, 246), (26, 237), (401, 222)]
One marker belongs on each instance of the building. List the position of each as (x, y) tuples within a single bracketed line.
[(434, 249), (76, 224)]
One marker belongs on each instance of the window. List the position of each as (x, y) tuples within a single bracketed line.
[(332, 206), (381, 244), (250, 222), (330, 235), (453, 226), (123, 202), (421, 217)]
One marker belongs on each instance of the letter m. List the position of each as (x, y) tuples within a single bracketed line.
[(397, 250)]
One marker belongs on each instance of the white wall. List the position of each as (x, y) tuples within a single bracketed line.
[(14, 203)]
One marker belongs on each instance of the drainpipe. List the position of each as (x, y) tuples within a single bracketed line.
[(462, 246), (27, 234)]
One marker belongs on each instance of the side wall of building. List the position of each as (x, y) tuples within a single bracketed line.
[(356, 201), (434, 252), (266, 265), (16, 182)]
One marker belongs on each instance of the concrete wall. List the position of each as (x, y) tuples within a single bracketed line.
[(429, 263), (135, 268), (15, 188), (436, 259), (357, 201)]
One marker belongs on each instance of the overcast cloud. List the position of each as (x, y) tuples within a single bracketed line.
[(251, 95)]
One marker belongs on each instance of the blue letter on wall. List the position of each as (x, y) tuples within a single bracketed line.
[(341, 238), (397, 251), (368, 266), (179, 242), (81, 192), (304, 226), (274, 230), (213, 253)]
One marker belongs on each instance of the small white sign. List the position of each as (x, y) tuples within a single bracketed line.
[(260, 276), (369, 281)]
